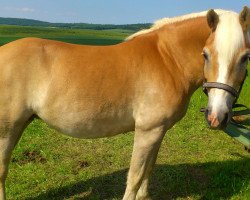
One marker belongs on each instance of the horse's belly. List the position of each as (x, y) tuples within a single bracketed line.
[(87, 125)]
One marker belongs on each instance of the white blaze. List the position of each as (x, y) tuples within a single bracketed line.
[(229, 38)]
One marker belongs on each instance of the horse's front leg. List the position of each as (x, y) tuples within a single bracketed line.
[(146, 147), (142, 193), (8, 139)]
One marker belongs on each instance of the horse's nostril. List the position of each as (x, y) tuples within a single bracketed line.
[(207, 112), (225, 120), (209, 123)]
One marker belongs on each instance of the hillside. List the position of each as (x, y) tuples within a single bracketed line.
[(10, 33), (31, 22)]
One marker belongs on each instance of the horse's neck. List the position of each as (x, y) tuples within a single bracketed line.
[(185, 40)]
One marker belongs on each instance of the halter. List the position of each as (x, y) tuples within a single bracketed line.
[(222, 86)]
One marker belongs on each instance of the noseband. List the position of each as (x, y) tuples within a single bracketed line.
[(222, 86)]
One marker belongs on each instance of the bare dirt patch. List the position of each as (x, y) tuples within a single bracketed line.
[(80, 166), (30, 156)]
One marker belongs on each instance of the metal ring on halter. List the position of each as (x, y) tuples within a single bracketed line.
[(222, 86)]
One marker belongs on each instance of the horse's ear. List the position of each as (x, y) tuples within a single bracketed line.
[(245, 18), (212, 19)]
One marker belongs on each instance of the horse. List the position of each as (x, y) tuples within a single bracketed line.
[(142, 84)]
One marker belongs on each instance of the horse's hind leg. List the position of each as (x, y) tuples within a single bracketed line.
[(10, 132), (146, 146)]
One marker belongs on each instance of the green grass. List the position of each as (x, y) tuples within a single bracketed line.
[(9, 33), (194, 162)]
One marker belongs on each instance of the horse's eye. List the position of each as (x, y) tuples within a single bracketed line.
[(205, 55), (244, 59)]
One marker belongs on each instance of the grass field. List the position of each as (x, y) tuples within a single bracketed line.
[(103, 37), (193, 163)]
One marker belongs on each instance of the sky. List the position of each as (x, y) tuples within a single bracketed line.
[(110, 11)]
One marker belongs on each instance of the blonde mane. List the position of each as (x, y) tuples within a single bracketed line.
[(162, 22)]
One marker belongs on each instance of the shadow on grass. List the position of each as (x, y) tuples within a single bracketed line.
[(220, 180)]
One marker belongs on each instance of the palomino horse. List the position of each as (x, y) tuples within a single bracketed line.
[(143, 84)]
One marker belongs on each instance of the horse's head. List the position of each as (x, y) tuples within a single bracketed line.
[(226, 55)]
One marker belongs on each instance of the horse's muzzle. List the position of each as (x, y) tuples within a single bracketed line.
[(217, 120)]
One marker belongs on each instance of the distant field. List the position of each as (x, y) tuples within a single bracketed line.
[(194, 162), (9, 33)]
